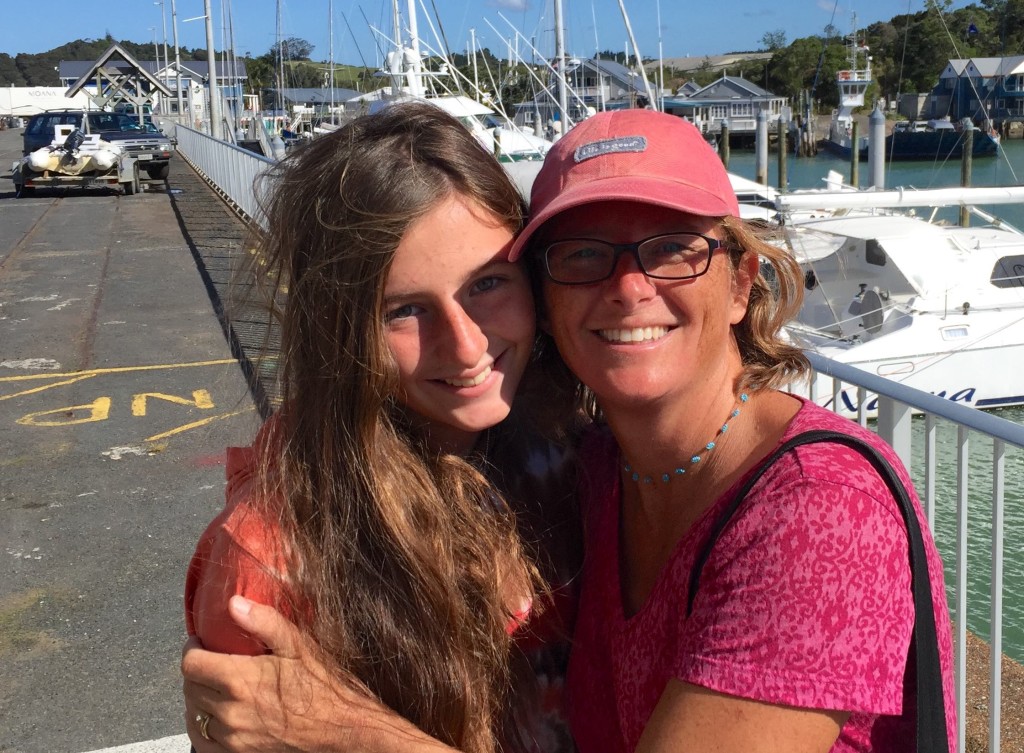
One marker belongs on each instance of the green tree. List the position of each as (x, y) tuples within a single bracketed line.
[(37, 70), (773, 40), (293, 48), (260, 73), (10, 74), (793, 68), (1005, 32)]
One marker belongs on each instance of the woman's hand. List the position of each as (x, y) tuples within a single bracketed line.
[(286, 700)]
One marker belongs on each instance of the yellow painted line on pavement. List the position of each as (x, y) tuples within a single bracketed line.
[(46, 387), (117, 370), (199, 423), (77, 376)]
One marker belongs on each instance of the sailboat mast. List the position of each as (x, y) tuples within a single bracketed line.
[(472, 50), (416, 87), (636, 52), (563, 106), (330, 33), (661, 66), (280, 63)]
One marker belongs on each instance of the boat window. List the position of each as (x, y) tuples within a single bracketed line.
[(954, 333), (1008, 272), (487, 120), (874, 253)]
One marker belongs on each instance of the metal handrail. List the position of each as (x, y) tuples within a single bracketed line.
[(235, 173), (896, 403), (925, 402)]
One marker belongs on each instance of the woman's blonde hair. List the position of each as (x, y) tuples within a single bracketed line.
[(770, 361)]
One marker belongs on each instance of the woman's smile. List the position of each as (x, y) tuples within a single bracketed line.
[(634, 334)]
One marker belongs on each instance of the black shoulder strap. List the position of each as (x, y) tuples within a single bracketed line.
[(931, 710)]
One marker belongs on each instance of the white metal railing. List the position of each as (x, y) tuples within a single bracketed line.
[(233, 171), (896, 403)]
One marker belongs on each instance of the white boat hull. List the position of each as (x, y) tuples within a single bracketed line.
[(935, 307), (980, 369)]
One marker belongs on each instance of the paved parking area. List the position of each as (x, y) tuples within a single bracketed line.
[(118, 395)]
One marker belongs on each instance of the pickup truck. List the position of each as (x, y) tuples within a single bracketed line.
[(151, 148)]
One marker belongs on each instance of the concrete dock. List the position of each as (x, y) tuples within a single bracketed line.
[(118, 395)]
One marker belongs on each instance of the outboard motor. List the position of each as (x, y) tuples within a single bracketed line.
[(74, 140)]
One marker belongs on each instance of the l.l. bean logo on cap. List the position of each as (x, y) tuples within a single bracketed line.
[(618, 145)]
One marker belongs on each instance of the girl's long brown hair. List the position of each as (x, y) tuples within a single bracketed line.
[(399, 557)]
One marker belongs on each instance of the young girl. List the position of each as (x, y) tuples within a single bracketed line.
[(363, 511)]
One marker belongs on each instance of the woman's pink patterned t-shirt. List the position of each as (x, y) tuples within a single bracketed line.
[(805, 601)]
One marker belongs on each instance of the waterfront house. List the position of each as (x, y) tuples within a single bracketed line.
[(593, 85), (979, 89), (730, 98)]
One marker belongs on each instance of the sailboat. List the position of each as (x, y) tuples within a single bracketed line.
[(410, 82)]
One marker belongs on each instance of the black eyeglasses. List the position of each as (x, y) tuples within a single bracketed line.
[(673, 256)]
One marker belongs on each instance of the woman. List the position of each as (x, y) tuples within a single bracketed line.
[(798, 635), (362, 511)]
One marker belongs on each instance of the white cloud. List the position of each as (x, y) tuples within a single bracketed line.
[(511, 4)]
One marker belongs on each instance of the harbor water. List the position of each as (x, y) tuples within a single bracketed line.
[(1006, 169)]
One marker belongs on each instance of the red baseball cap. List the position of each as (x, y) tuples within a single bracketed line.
[(630, 155)]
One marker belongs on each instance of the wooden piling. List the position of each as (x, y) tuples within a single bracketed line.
[(761, 148), (854, 155), (723, 145), (966, 163), (783, 148)]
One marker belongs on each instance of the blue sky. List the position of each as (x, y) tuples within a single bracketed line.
[(688, 27)]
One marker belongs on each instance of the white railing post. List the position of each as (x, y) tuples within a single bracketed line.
[(894, 424), (996, 640), (960, 610), (930, 432)]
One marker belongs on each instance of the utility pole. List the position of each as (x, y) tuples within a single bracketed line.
[(177, 60), (163, 18), (211, 61)]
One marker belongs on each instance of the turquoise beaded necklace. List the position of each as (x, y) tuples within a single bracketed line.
[(695, 459)]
